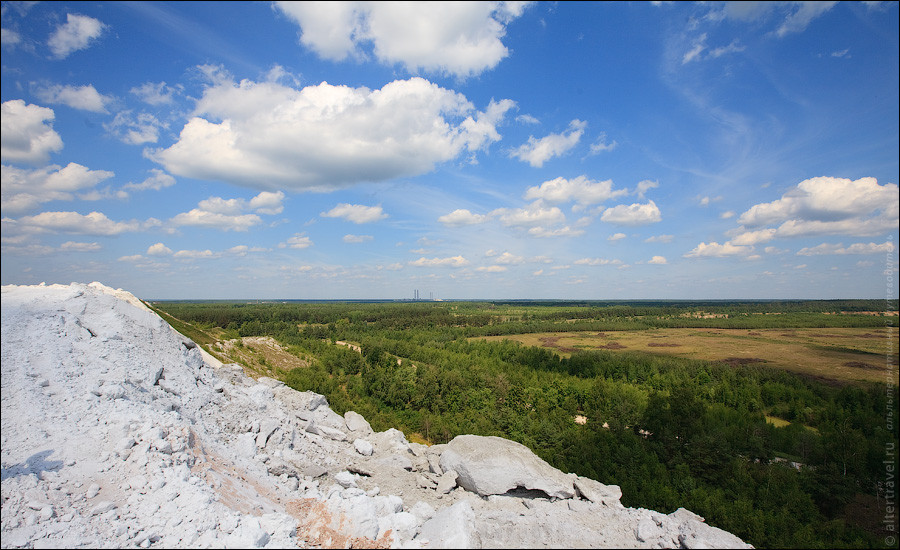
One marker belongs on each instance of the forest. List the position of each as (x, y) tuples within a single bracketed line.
[(779, 458)]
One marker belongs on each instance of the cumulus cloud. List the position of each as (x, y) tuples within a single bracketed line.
[(195, 254), (155, 93), (508, 258), (462, 216), (86, 98), (72, 246), (157, 181), (716, 250), (271, 136), (855, 248), (25, 137), (268, 202), (634, 214), (230, 214), (76, 34), (457, 38), (533, 215), (658, 260), (298, 241), (616, 237), (580, 189), (453, 261), (492, 269), (828, 205), (537, 151), (159, 249), (24, 190), (95, 223), (356, 213), (135, 129)]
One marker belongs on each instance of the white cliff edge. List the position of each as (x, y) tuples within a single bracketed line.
[(119, 432)]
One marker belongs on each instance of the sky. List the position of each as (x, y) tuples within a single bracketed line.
[(486, 150)]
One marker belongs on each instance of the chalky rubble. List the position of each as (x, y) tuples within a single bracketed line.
[(119, 432)]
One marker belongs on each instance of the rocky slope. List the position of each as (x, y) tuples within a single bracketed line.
[(119, 432)]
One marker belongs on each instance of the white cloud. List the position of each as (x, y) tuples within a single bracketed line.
[(24, 190), (270, 136), (749, 238), (356, 213), (72, 246), (454, 261), (533, 215), (644, 186), (95, 223), (527, 119), (727, 215), (9, 38), (855, 248), (268, 203), (457, 38), (616, 237), (508, 258), (195, 254), (805, 12), (86, 98), (199, 217), (298, 241), (537, 151), (156, 182), (560, 232), (76, 34), (827, 205), (601, 146), (159, 249), (492, 269), (597, 261), (658, 260), (230, 214), (716, 250), (135, 129), (155, 93), (25, 137), (581, 190), (634, 214), (356, 239), (462, 216), (659, 239)]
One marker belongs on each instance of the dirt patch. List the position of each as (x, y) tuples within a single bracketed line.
[(318, 527), (662, 345), (741, 361), (754, 334), (612, 345), (862, 365)]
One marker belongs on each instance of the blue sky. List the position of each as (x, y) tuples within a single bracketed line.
[(488, 150)]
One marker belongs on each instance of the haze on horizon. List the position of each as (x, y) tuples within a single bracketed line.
[(486, 150)]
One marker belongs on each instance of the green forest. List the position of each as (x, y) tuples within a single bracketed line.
[(672, 432)]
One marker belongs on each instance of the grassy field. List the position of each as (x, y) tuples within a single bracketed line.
[(834, 354)]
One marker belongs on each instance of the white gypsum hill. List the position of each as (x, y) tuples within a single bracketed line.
[(119, 432)]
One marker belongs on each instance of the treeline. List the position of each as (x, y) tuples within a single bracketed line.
[(671, 432)]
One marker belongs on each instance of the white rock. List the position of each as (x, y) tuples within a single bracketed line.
[(452, 527), (363, 447), (493, 466)]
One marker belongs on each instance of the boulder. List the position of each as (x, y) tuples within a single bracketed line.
[(597, 492), (452, 527), (490, 465), (357, 423)]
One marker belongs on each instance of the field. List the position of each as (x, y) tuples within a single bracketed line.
[(832, 354)]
